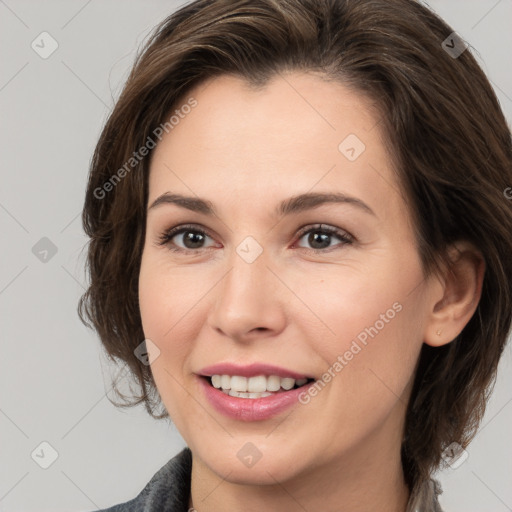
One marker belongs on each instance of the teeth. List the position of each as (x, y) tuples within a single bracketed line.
[(287, 383), (238, 383), (241, 394), (259, 385), (273, 383), (225, 382)]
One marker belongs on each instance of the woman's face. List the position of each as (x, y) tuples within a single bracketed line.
[(348, 308)]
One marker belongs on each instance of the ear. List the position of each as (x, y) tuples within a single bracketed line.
[(456, 295)]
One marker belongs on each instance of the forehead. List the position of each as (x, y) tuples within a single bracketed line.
[(297, 133)]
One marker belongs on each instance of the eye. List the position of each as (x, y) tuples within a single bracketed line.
[(192, 240), (320, 237)]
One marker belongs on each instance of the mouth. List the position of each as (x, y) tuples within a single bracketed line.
[(259, 386)]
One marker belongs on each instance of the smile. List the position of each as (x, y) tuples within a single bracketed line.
[(255, 387), (252, 405)]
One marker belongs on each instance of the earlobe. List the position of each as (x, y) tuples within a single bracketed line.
[(461, 291)]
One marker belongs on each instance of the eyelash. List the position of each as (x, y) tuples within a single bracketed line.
[(166, 237)]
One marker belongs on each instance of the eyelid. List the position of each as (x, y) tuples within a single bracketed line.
[(339, 232)]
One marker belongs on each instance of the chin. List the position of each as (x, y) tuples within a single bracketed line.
[(260, 474), (271, 466)]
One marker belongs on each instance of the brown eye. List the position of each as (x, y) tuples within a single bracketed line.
[(184, 238), (320, 237)]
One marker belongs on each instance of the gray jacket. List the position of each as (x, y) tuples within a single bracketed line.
[(169, 491)]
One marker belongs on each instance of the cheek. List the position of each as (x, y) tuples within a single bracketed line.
[(166, 300), (166, 296), (344, 301), (371, 339), (165, 313)]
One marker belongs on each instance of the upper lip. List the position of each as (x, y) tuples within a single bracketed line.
[(251, 370)]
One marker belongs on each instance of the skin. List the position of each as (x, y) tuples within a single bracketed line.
[(245, 151)]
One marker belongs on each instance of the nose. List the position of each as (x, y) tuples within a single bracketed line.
[(249, 301)]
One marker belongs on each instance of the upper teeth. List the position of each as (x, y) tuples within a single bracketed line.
[(258, 384)]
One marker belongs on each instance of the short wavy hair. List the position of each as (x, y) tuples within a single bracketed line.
[(450, 145)]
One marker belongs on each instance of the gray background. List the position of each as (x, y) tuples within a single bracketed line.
[(54, 379)]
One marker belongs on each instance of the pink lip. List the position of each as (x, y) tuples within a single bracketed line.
[(251, 409), (251, 370)]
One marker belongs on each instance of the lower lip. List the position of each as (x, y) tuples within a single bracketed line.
[(251, 409)]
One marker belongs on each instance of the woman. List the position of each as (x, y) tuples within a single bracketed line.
[(300, 246)]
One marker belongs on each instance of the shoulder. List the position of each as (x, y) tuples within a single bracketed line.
[(168, 489)]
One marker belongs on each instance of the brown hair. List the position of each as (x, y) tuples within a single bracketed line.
[(450, 143)]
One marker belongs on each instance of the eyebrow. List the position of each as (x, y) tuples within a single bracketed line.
[(294, 204)]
